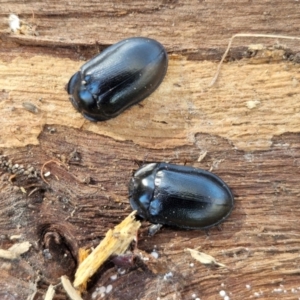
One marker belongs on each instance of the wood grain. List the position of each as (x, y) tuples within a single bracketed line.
[(259, 243), (200, 29), (246, 106), (247, 124)]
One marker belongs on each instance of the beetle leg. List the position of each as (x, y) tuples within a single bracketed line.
[(138, 162), (154, 228)]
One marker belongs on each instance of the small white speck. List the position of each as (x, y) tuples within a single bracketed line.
[(14, 22), (278, 290), (154, 254), (109, 288), (226, 298), (222, 293), (248, 286), (191, 265), (157, 181), (256, 294), (194, 296), (47, 174), (197, 299), (101, 289), (99, 292), (158, 298), (168, 275), (121, 271), (252, 103), (114, 277), (222, 284)]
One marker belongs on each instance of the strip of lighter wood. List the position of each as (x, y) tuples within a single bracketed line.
[(237, 108), (50, 293), (72, 293), (15, 250)]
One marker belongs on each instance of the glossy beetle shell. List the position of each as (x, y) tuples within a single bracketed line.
[(180, 196), (120, 76)]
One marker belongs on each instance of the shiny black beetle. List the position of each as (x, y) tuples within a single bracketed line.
[(120, 76), (180, 196)]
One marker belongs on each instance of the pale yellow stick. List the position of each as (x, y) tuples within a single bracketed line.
[(116, 241), (50, 293), (67, 285), (15, 250)]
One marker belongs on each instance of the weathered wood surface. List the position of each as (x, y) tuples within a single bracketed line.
[(248, 123)]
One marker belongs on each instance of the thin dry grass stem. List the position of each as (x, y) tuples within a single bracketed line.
[(271, 36), (48, 162)]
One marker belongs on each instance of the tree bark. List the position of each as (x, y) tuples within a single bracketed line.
[(245, 129)]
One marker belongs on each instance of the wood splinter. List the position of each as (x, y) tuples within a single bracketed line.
[(116, 242)]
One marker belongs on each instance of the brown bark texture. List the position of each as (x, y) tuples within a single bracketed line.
[(245, 129)]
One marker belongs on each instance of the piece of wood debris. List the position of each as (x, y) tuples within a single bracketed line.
[(203, 258), (14, 22), (201, 156), (23, 190), (256, 47), (15, 251), (30, 107), (15, 237), (67, 285), (6, 254), (252, 103), (50, 292), (116, 242), (82, 255), (33, 288)]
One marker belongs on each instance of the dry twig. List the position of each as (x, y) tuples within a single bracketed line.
[(272, 36)]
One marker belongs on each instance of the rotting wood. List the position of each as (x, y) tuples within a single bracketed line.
[(247, 125), (259, 243)]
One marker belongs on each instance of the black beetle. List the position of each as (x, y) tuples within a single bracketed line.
[(120, 76), (180, 196)]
